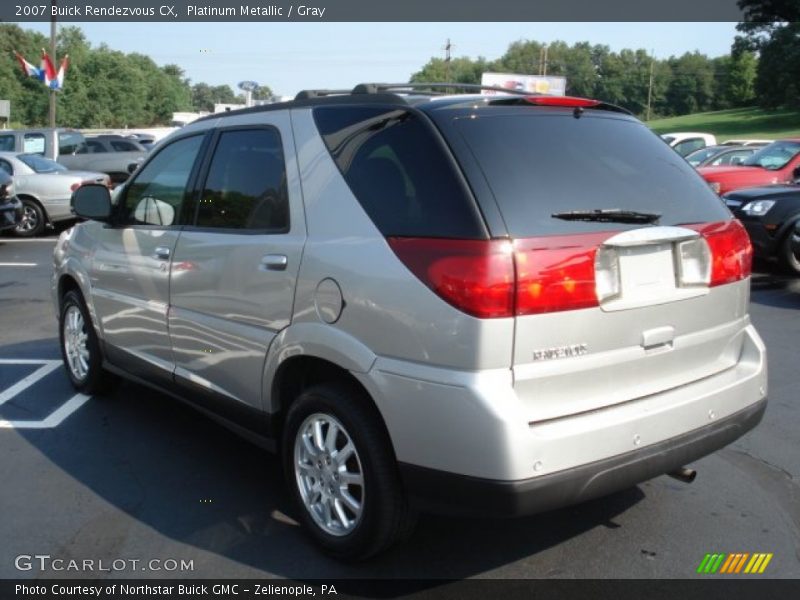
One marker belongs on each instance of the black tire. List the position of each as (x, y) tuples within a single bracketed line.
[(33, 219), (385, 514), (787, 259), (96, 379)]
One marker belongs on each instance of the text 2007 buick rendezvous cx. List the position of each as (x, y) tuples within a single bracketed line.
[(489, 304)]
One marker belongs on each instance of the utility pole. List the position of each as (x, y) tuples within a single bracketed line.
[(544, 67), (650, 85), (52, 111), (448, 46)]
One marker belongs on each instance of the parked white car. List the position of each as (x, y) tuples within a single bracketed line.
[(686, 142), (44, 187)]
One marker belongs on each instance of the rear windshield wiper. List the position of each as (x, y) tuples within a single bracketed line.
[(608, 215)]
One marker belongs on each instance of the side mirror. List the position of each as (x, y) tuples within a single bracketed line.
[(132, 167), (796, 175), (92, 201)]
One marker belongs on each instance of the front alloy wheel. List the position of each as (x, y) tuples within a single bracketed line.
[(32, 222), (76, 343)]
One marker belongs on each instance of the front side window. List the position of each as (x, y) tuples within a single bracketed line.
[(69, 142), (156, 195), (6, 143), (92, 147), (246, 183)]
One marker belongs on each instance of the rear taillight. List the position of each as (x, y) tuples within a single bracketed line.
[(556, 273), (731, 251), (475, 276), (499, 278), (74, 187)]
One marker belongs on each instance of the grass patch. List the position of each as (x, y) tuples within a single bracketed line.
[(735, 123)]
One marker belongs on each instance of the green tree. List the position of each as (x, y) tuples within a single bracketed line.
[(772, 28)]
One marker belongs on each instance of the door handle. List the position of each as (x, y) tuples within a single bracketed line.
[(274, 262), (161, 253)]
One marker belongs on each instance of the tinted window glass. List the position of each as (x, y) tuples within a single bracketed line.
[(398, 172), (120, 146), (93, 147), (246, 183), (6, 143), (69, 142), (537, 165), (688, 146), (731, 158), (156, 194)]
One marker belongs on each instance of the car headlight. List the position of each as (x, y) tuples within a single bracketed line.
[(715, 186), (758, 208)]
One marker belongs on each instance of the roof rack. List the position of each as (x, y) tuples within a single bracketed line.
[(377, 88), (306, 94)]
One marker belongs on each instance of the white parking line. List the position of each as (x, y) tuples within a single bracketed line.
[(32, 241), (54, 419), (48, 367), (5, 264)]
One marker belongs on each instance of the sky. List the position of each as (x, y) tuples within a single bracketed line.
[(289, 57)]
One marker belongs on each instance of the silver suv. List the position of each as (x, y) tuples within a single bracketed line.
[(482, 304)]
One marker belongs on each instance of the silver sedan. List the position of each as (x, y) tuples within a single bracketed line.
[(44, 187)]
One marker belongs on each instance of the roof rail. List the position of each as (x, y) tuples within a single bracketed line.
[(306, 94), (376, 88)]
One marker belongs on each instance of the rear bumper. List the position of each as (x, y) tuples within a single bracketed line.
[(439, 491)]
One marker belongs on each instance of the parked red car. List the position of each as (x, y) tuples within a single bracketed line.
[(777, 163)]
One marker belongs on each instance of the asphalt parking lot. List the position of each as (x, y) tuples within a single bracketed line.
[(137, 476)]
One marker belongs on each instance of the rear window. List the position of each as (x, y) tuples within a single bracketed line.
[(399, 172), (540, 164)]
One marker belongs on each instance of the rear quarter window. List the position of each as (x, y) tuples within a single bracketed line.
[(399, 172), (537, 164)]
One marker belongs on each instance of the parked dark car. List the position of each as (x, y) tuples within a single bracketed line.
[(10, 206), (770, 215), (796, 241)]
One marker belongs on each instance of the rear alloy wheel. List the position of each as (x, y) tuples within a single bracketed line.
[(788, 260), (342, 473), (32, 222), (80, 348), (329, 474)]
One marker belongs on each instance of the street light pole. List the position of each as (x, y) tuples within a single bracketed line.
[(52, 111)]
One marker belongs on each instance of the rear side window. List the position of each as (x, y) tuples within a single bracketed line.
[(537, 165), (246, 183), (399, 172), (33, 143), (121, 146)]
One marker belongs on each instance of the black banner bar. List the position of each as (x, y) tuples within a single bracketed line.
[(370, 10), (711, 588)]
